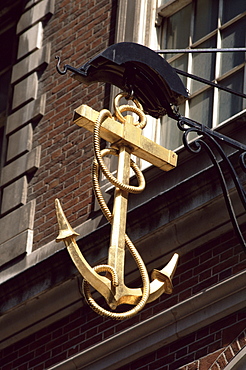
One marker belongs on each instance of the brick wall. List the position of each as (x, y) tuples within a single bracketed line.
[(197, 270), (78, 31), (200, 350)]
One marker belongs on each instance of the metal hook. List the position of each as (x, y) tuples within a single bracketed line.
[(130, 93), (58, 66)]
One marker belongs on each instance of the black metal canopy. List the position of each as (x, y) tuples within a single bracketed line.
[(139, 71)]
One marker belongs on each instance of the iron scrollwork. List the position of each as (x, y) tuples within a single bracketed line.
[(211, 141)]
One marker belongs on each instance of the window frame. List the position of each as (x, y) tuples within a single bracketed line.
[(175, 6)]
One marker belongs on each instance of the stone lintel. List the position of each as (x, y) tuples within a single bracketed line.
[(35, 14), (27, 163), (14, 195), (16, 246), (38, 59), (30, 3), (25, 91), (114, 131), (17, 222), (29, 113), (30, 40), (20, 142)]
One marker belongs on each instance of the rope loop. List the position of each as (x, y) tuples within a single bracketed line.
[(99, 163), (138, 109), (130, 189)]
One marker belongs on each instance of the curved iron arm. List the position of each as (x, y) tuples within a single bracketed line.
[(212, 145), (210, 83), (66, 67)]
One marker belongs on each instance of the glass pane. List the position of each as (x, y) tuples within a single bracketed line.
[(171, 136), (178, 30), (182, 64), (233, 36), (201, 108), (230, 104), (231, 8), (162, 2), (203, 65), (206, 15)]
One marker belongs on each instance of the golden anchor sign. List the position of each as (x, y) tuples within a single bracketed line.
[(125, 136)]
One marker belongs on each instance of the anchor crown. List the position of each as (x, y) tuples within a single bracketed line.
[(65, 230)]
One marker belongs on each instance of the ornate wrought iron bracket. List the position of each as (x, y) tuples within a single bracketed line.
[(212, 142)]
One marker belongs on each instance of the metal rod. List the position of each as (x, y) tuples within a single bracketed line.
[(206, 82), (116, 256), (201, 50)]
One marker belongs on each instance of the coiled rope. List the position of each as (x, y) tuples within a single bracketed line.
[(99, 163)]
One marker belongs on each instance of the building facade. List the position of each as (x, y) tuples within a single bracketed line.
[(45, 322)]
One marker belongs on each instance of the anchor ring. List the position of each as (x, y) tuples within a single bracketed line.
[(123, 108)]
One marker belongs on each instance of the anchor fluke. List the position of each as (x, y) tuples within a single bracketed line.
[(166, 274), (65, 230)]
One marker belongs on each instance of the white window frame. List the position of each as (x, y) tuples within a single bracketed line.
[(142, 31), (171, 8)]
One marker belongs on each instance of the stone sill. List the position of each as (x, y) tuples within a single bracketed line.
[(172, 324)]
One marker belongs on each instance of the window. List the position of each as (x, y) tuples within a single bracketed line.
[(205, 24)]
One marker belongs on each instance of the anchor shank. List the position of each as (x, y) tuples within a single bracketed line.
[(116, 254)]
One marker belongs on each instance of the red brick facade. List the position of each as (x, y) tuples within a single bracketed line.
[(202, 350), (78, 31)]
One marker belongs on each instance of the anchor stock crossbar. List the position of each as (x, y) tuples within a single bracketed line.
[(113, 131)]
